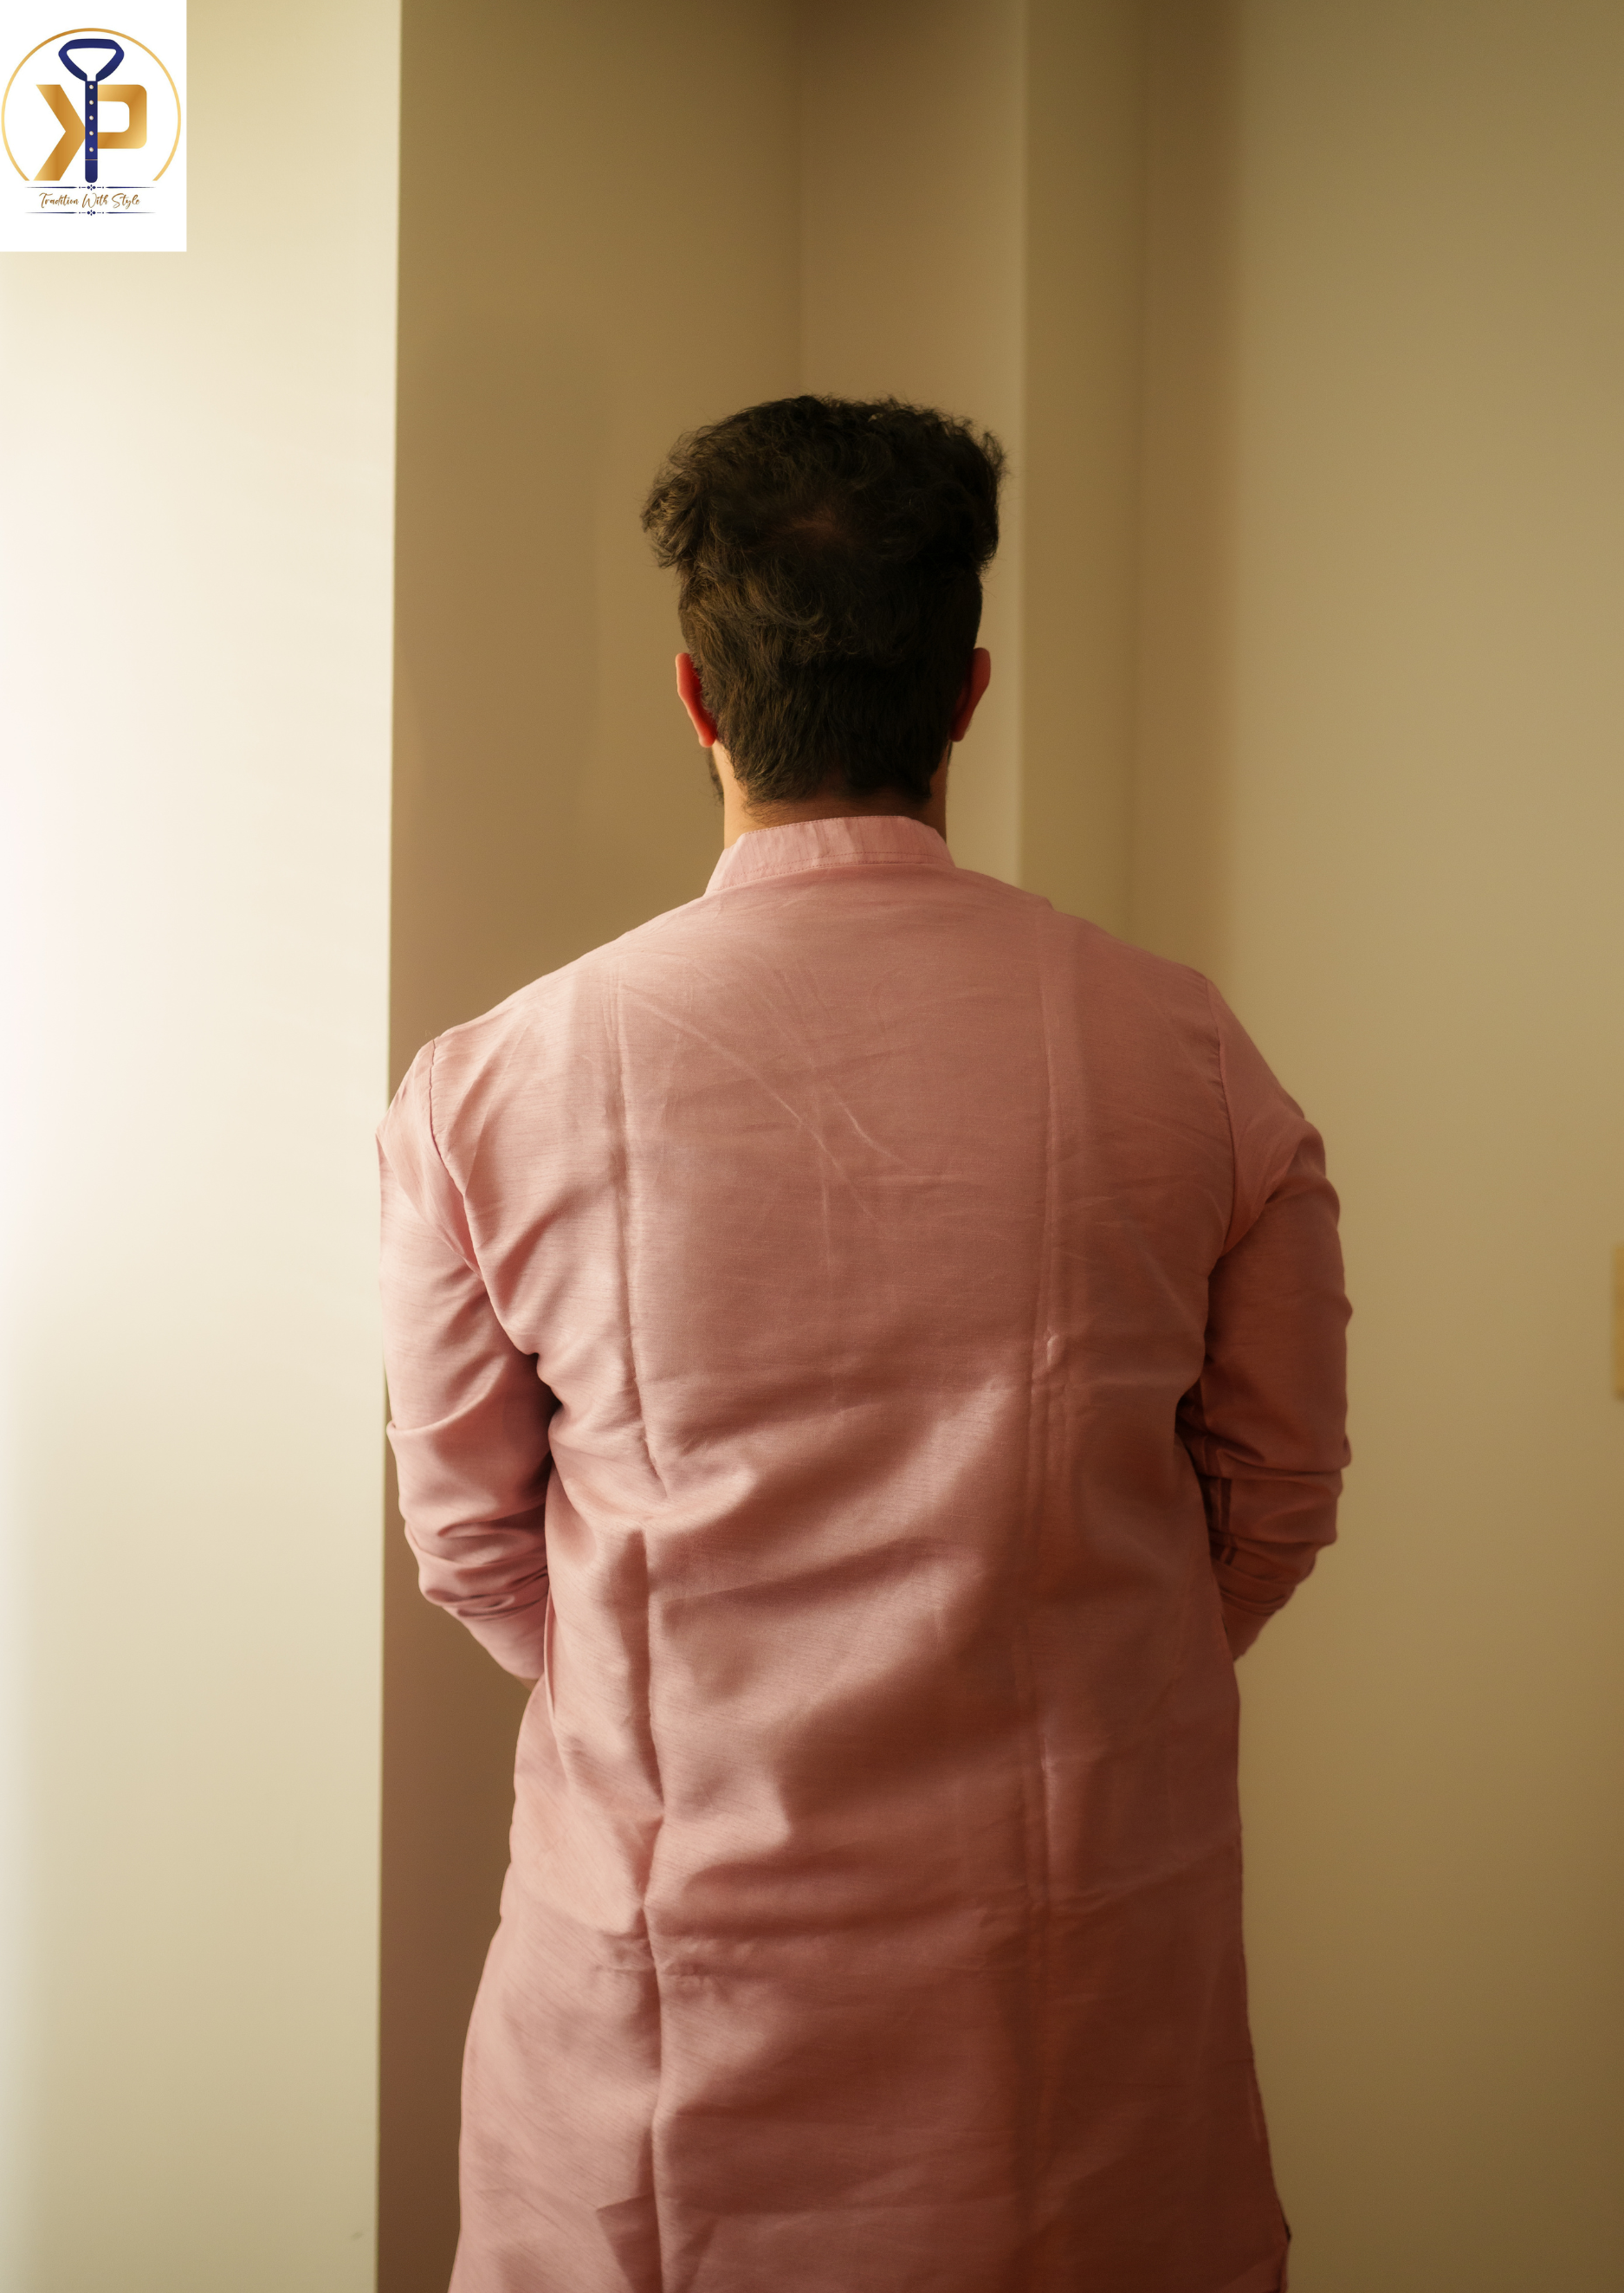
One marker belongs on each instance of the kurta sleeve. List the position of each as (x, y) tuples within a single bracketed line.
[(468, 1412), (1264, 1427)]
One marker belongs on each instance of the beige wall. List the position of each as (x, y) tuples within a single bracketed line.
[(194, 619), (1300, 321), (1412, 757)]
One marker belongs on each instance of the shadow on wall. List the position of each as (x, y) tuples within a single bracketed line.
[(497, 682), (1184, 704)]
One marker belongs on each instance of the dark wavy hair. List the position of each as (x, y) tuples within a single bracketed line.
[(829, 553)]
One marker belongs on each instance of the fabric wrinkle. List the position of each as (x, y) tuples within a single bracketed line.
[(903, 1340)]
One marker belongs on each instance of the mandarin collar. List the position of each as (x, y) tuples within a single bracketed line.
[(854, 840)]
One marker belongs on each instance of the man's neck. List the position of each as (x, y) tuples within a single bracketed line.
[(740, 818)]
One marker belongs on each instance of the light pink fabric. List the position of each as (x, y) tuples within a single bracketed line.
[(887, 1313)]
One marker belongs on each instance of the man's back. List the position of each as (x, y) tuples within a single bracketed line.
[(930, 1304)]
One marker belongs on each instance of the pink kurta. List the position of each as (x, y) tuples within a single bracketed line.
[(845, 1337)]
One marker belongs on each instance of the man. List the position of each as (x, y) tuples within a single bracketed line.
[(872, 1347)]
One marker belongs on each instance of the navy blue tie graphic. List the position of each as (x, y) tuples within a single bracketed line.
[(92, 125)]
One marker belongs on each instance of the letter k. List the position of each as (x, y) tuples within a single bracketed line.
[(73, 134)]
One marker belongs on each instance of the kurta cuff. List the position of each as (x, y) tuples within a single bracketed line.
[(516, 1638)]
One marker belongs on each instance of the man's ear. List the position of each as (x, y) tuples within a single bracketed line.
[(970, 699), (692, 698)]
